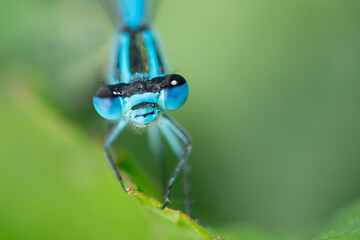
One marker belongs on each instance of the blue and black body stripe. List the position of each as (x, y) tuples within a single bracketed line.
[(137, 64), (140, 88), (137, 52)]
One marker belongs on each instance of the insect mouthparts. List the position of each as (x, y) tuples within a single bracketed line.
[(143, 105)]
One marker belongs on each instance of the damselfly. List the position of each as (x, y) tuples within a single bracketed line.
[(140, 88)]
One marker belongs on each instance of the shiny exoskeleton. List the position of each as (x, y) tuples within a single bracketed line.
[(140, 88)]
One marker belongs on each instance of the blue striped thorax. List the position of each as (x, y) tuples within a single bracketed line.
[(139, 88)]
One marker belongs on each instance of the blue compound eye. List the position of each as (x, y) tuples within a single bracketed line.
[(106, 104), (174, 92)]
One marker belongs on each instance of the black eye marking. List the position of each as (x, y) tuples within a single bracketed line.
[(173, 80), (154, 85), (104, 92), (119, 90)]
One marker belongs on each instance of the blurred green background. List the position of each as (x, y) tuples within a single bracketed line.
[(273, 112)]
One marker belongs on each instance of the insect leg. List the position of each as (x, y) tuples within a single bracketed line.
[(187, 189), (156, 146), (173, 133), (109, 141)]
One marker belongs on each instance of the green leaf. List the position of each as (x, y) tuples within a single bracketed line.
[(170, 220), (345, 226), (56, 183)]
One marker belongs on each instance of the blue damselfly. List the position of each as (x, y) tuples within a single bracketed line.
[(140, 87)]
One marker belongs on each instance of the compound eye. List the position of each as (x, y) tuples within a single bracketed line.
[(174, 92), (106, 104), (104, 92)]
